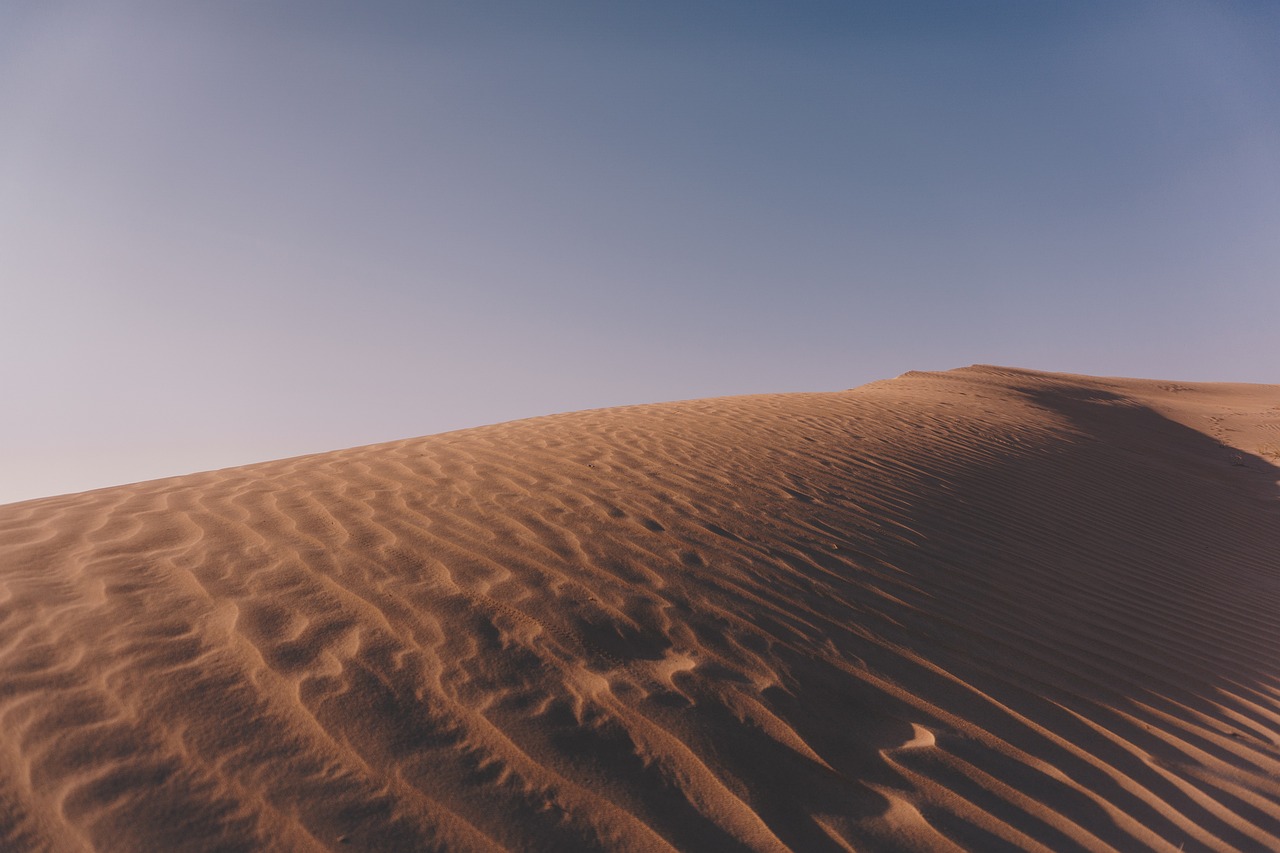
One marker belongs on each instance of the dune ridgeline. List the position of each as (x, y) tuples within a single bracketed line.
[(986, 609)]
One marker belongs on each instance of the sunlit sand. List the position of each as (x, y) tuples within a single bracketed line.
[(983, 609)]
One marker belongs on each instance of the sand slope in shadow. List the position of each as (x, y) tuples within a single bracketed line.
[(987, 609)]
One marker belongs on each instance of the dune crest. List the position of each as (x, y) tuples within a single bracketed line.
[(982, 609)]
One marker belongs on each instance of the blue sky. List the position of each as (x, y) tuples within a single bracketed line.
[(237, 231)]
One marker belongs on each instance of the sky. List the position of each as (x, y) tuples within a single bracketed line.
[(236, 231)]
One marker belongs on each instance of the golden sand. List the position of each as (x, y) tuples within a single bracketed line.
[(983, 609)]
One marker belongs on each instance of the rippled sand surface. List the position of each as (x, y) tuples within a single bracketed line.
[(986, 609)]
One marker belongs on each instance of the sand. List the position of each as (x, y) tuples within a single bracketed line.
[(984, 609)]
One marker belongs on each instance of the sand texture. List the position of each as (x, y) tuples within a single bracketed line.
[(987, 609)]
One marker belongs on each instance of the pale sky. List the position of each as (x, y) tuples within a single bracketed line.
[(238, 231)]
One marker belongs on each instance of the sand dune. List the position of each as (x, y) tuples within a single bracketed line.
[(985, 609)]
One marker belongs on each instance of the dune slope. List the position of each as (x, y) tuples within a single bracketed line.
[(984, 609)]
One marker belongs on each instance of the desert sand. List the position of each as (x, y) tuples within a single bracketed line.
[(985, 609)]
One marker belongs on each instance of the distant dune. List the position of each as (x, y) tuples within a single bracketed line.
[(987, 609)]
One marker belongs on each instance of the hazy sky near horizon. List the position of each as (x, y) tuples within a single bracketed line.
[(236, 231)]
